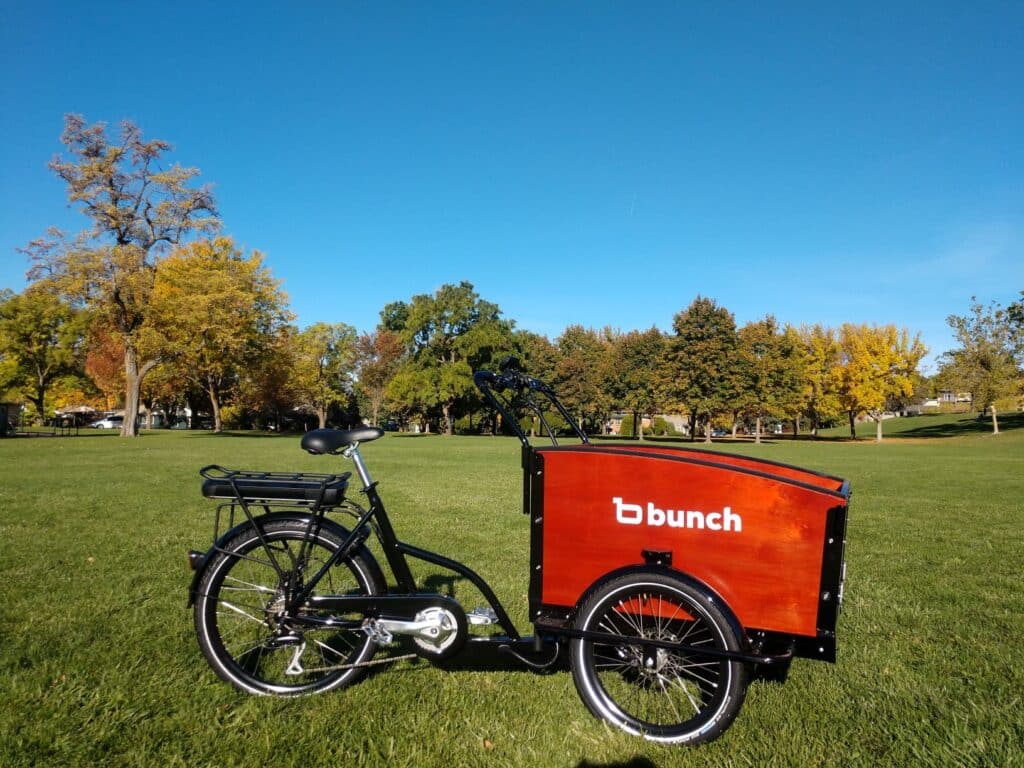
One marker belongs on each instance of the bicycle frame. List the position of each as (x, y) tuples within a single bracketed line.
[(396, 552)]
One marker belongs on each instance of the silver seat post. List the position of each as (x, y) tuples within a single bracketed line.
[(352, 452)]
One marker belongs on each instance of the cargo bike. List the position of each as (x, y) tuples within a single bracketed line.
[(673, 575)]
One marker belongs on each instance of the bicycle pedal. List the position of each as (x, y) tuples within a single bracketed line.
[(482, 616)]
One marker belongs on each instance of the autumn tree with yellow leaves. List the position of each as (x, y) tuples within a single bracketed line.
[(138, 208), (876, 366), (819, 395), (216, 310), (324, 366)]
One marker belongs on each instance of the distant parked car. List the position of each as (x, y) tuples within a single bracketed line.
[(111, 422)]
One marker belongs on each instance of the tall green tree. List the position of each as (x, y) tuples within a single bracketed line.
[(769, 370), (579, 373), (984, 363), (448, 335), (217, 310), (410, 395), (632, 376), (138, 206), (700, 375), (42, 339), (325, 357)]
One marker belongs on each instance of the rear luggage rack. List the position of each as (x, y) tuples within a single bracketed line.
[(241, 489), (276, 488)]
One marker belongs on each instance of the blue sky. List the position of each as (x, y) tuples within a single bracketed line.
[(590, 163)]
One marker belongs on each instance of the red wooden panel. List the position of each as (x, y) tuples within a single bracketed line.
[(756, 540), (745, 462)]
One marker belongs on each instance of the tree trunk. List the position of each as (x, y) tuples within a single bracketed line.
[(757, 430), (693, 427), (39, 401), (446, 409), (638, 425), (878, 429), (796, 427), (814, 426), (995, 421), (853, 425), (735, 425), (133, 376), (321, 414), (211, 390), (707, 431)]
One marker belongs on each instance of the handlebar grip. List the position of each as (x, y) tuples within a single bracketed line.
[(482, 378)]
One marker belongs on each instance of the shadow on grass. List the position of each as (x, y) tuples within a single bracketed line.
[(245, 433), (969, 426)]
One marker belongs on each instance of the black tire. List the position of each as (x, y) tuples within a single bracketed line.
[(240, 592), (661, 694)]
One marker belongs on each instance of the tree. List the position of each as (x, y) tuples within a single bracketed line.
[(539, 355), (449, 335), (876, 365), (984, 363), (104, 363), (138, 209), (631, 373), (324, 366), (819, 400), (268, 388), (1015, 318), (410, 395), (42, 338), (700, 364), (216, 309), (578, 375), (769, 370), (378, 356)]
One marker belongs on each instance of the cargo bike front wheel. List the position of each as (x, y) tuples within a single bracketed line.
[(663, 694), (243, 630)]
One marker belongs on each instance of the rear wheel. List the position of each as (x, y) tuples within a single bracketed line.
[(659, 693), (239, 611)]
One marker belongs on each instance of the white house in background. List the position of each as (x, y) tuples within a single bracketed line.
[(949, 396)]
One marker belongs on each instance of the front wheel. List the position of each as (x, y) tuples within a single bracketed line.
[(240, 619), (659, 693)]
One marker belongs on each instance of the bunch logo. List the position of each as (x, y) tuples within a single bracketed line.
[(638, 514)]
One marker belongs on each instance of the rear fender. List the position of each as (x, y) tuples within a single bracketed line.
[(643, 570)]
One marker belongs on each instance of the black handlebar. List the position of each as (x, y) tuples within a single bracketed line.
[(512, 379)]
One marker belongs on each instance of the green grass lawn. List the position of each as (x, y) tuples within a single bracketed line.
[(99, 663), (930, 425)]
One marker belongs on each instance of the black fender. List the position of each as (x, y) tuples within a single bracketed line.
[(303, 518), (643, 570)]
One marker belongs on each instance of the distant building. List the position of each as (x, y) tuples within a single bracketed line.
[(949, 396)]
